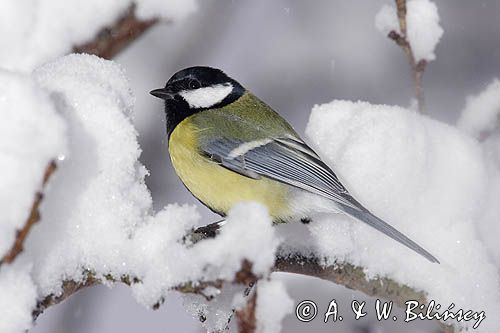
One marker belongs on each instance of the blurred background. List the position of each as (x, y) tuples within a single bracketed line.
[(292, 54)]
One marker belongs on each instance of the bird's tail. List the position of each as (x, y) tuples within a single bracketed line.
[(370, 219)]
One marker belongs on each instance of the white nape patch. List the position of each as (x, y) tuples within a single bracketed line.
[(207, 96), (247, 146)]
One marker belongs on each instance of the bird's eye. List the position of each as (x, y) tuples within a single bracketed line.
[(194, 84)]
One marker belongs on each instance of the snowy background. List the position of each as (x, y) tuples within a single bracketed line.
[(293, 56)]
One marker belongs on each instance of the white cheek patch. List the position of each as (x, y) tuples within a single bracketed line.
[(207, 96)]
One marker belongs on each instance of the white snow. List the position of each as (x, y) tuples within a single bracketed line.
[(423, 28), (31, 135), (172, 263), (207, 96), (171, 9), (33, 32), (481, 113), (273, 304), (386, 19), (492, 147), (97, 212), (426, 179), (98, 197), (218, 312), (18, 298), (105, 225)]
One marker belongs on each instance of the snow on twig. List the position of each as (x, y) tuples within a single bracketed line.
[(414, 26), (111, 40)]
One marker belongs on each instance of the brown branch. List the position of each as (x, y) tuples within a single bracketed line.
[(349, 276), (68, 288), (353, 277), (247, 323), (401, 10), (245, 275), (417, 68), (111, 40), (33, 218)]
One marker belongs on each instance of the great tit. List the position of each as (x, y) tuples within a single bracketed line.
[(227, 146)]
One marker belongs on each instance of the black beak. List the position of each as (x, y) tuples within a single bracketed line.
[(162, 93)]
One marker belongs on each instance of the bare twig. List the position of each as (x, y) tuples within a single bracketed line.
[(401, 10), (417, 68), (111, 40), (33, 218)]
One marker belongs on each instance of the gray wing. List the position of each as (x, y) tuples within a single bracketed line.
[(291, 161), (287, 160)]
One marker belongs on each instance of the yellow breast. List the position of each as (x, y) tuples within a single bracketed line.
[(216, 186)]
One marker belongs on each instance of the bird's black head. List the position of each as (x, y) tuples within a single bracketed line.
[(195, 89)]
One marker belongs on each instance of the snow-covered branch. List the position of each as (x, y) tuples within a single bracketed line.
[(114, 38), (244, 277), (342, 274), (349, 276), (35, 34), (414, 26)]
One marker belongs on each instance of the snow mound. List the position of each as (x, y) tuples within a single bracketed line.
[(425, 178)]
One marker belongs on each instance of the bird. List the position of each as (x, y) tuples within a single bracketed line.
[(227, 146)]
